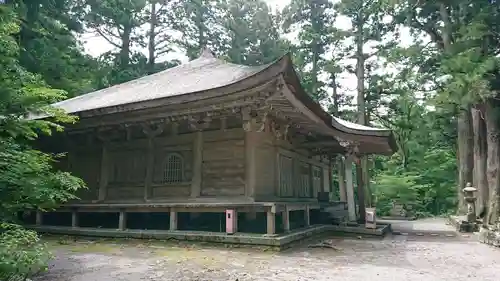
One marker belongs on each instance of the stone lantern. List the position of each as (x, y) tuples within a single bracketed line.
[(470, 199)]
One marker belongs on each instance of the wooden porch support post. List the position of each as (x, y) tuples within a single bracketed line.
[(103, 182), (74, 218), (271, 221), (173, 220), (286, 219), (351, 205), (197, 164), (342, 184), (307, 215), (39, 217), (122, 221)]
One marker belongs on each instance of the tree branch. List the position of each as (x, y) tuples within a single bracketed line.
[(103, 35), (433, 33)]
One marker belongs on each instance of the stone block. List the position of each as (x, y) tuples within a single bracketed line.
[(489, 236)]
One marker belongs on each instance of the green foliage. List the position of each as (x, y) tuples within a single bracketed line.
[(27, 179), (201, 24), (49, 47), (314, 22), (22, 255), (395, 188), (254, 37), (427, 185)]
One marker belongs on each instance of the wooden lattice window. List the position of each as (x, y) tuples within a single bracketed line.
[(173, 169)]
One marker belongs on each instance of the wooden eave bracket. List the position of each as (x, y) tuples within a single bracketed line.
[(199, 124), (151, 132)]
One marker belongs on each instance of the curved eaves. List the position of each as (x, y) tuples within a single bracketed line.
[(335, 123)]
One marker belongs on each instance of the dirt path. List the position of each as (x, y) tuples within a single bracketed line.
[(394, 258)]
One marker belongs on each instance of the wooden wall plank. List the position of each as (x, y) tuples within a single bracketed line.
[(223, 168)]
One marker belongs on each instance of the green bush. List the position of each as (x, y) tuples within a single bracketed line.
[(22, 254)]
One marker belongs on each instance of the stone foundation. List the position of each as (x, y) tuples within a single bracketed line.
[(490, 236), (463, 225)]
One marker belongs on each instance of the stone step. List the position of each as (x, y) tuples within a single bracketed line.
[(429, 234)]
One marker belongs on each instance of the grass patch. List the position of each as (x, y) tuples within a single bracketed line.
[(95, 248), (170, 249)]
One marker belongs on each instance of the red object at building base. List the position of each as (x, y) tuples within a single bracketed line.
[(231, 222)]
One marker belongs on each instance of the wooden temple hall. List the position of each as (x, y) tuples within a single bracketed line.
[(206, 146)]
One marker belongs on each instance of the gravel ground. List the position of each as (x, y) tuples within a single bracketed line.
[(393, 258)]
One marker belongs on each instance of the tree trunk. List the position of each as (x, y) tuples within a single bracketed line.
[(360, 75), (341, 175), (200, 25), (125, 48), (152, 45), (480, 155), (465, 156), (365, 166), (492, 165), (340, 162), (361, 193), (315, 50)]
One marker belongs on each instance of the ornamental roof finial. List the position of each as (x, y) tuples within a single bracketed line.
[(206, 53)]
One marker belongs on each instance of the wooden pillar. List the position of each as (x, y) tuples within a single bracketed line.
[(151, 132), (286, 219), (307, 215), (250, 169), (197, 164), (330, 177), (103, 182), (149, 170), (342, 184), (271, 222), (74, 218), (325, 186), (278, 170), (39, 217), (311, 193), (351, 205), (252, 128), (173, 220), (122, 222)]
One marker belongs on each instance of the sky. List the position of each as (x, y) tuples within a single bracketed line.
[(96, 45)]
